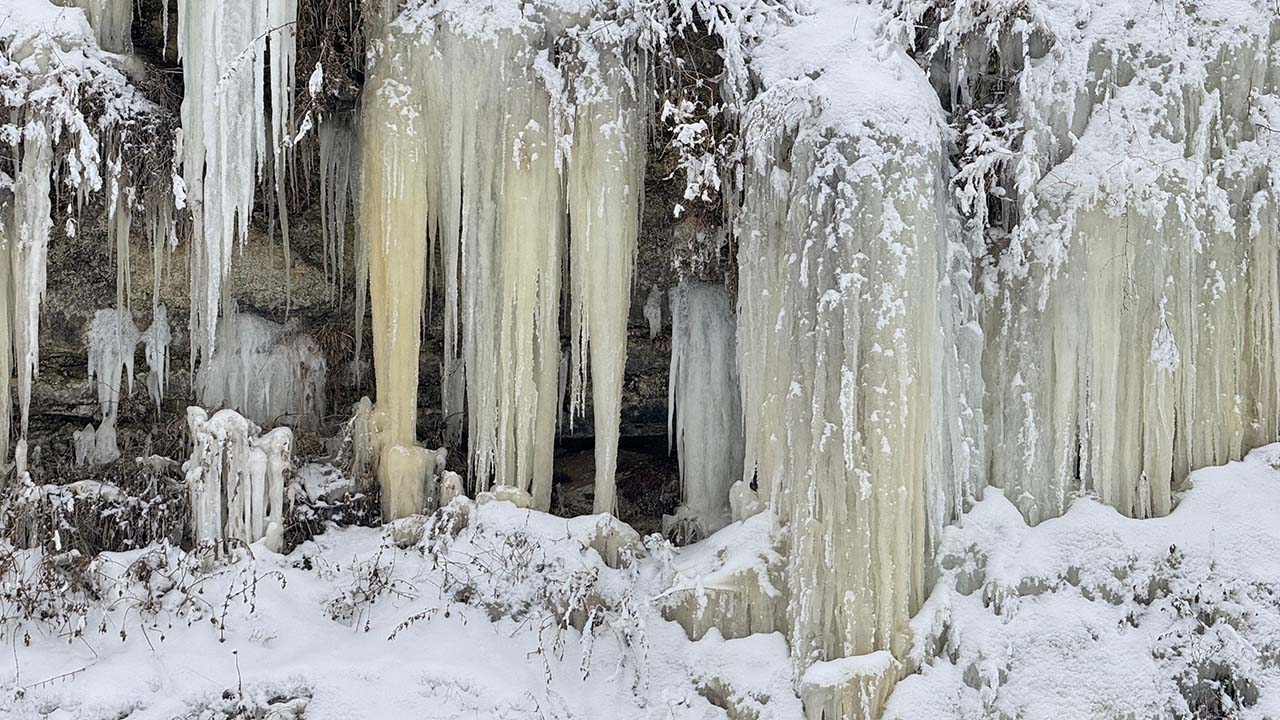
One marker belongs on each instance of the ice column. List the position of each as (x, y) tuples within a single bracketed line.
[(704, 407)]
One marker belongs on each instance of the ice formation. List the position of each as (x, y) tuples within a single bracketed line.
[(339, 161), (30, 253), (854, 319), (273, 374), (113, 338), (96, 446), (704, 406), (236, 475), (112, 22), (155, 342), (1131, 315), (490, 198), (653, 311), (224, 46), (53, 69)]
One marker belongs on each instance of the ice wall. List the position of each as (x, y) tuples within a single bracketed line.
[(536, 159), (1131, 293), (858, 350), (704, 405)]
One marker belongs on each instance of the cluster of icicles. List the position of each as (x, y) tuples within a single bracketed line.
[(477, 177), (844, 392)]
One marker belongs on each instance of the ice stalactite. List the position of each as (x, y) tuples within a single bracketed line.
[(704, 407), (653, 311), (339, 158), (113, 338), (236, 475), (29, 254), (223, 47), (489, 198), (1131, 313), (606, 186), (853, 304), (155, 342), (394, 227), (273, 374)]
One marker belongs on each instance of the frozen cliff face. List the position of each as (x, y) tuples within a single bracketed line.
[(1130, 284), (857, 346), (51, 73)]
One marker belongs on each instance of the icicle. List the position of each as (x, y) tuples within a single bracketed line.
[(1133, 316), (156, 349), (337, 156), (653, 312), (605, 188), (704, 411), (112, 340), (222, 46), (282, 17), (8, 251), (491, 196), (29, 256)]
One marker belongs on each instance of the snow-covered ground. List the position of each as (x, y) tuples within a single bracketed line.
[(478, 612), (392, 623), (1095, 615)]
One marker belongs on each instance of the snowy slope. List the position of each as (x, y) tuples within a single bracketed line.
[(1095, 615), (352, 625)]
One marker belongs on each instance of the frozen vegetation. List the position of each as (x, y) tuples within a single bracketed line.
[(969, 333)]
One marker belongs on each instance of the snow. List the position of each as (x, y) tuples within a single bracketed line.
[(1093, 614), (352, 624)]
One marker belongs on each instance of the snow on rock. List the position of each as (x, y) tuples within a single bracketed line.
[(858, 350), (271, 373), (730, 584), (1093, 614), (111, 20), (236, 476)]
